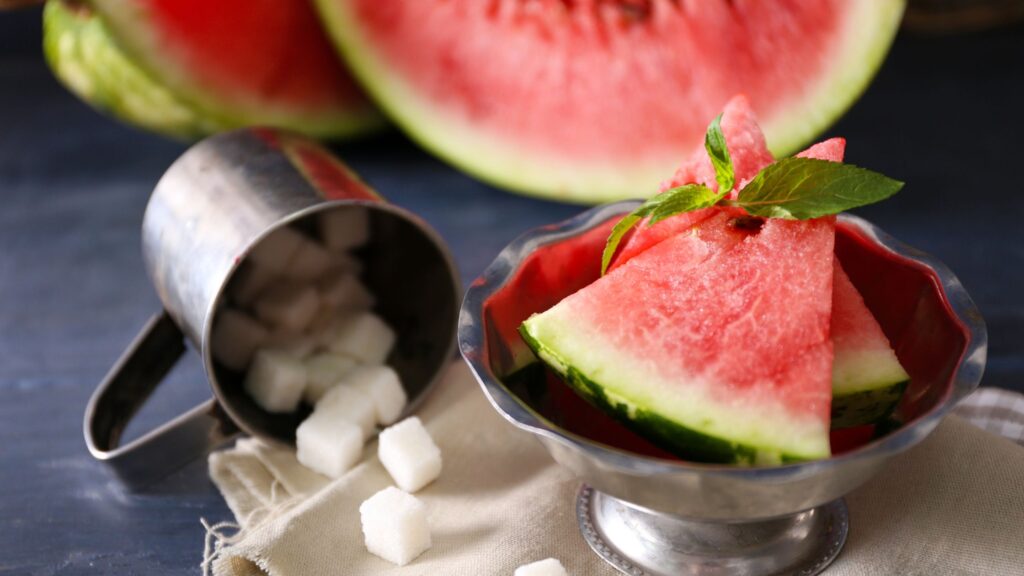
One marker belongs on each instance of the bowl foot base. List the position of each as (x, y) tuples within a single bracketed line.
[(641, 542)]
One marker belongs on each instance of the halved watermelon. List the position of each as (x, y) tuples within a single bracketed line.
[(596, 100), (868, 379), (85, 59), (716, 348), (239, 62)]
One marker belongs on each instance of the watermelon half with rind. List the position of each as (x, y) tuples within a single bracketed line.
[(597, 100), (82, 55), (240, 62)]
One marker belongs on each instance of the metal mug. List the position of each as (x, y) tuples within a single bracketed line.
[(208, 211)]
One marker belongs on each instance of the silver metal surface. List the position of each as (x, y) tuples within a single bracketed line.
[(645, 543), (208, 211), (712, 492)]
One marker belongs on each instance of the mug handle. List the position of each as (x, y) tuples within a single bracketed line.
[(124, 390)]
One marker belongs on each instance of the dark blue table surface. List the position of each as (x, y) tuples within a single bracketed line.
[(945, 114)]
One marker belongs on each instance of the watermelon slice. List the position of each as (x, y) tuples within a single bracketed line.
[(713, 344), (229, 63), (593, 101), (82, 55), (868, 379)]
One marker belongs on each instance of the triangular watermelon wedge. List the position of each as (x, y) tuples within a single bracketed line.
[(714, 346), (868, 379)]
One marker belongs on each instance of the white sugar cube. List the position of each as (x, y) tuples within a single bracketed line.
[(322, 324), (300, 345), (309, 262), (248, 282), (235, 338), (328, 445), (351, 405), (409, 454), (325, 371), (547, 567), (395, 525), (341, 289), (344, 228), (382, 385), (276, 380), (275, 251), (348, 263), (288, 306), (364, 336)]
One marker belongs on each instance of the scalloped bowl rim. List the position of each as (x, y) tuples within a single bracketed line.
[(965, 379)]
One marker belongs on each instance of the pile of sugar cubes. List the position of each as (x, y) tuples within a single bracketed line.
[(298, 320), (300, 325)]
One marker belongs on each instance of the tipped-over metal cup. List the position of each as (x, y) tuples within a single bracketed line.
[(648, 515), (211, 208)]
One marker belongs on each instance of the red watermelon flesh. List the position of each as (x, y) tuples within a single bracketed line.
[(597, 99), (716, 347), (867, 378), (248, 61), (749, 155)]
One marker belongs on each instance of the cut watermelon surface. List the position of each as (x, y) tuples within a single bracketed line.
[(242, 61), (713, 344), (594, 101), (86, 60), (868, 379)]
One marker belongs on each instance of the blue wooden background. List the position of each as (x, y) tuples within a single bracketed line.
[(945, 114)]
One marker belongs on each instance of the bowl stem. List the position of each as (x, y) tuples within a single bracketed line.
[(640, 542)]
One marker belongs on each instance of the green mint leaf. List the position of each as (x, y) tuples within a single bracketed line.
[(718, 152), (686, 198), (804, 188), (612, 244), (669, 203)]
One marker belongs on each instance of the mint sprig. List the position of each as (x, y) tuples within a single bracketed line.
[(792, 188), (718, 152), (669, 203), (805, 188)]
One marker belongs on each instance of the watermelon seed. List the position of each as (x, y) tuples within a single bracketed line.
[(749, 223)]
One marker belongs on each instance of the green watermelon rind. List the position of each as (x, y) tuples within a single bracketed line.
[(79, 50), (126, 28), (866, 406), (509, 165), (675, 437)]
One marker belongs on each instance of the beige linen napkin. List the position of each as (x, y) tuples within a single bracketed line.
[(953, 505)]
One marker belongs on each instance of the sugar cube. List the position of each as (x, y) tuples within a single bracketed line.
[(395, 525), (328, 445), (299, 345), (364, 336), (235, 338), (345, 403), (547, 567), (276, 380), (288, 305), (382, 385), (341, 289), (348, 263), (309, 262), (325, 371), (344, 228), (248, 282), (275, 251), (409, 454)]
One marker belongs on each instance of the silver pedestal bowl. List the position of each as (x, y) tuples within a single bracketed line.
[(646, 513)]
